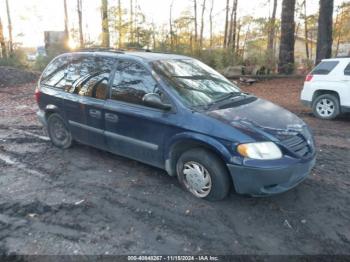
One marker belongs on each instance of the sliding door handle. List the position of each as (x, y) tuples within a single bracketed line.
[(111, 118), (95, 113)]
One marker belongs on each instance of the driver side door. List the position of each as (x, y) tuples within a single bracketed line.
[(133, 129)]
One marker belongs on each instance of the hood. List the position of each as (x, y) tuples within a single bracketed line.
[(260, 119)]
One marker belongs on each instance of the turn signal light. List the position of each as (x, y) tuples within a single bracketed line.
[(308, 78)]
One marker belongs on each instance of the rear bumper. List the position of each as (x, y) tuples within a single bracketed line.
[(41, 117), (269, 181)]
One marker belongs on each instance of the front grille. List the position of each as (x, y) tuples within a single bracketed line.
[(298, 145)]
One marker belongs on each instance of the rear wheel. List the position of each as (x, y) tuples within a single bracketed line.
[(58, 132), (326, 106), (203, 174)]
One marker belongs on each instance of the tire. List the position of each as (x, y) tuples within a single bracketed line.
[(208, 164), (59, 134), (326, 107)]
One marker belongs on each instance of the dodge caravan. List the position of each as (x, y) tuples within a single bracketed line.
[(175, 113)]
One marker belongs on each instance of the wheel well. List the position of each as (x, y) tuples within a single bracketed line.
[(324, 92), (179, 148), (48, 113)]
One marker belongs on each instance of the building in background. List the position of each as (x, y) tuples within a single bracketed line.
[(55, 42)]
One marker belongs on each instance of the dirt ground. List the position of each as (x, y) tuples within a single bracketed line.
[(12, 76), (86, 201)]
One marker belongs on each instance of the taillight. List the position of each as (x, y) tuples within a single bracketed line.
[(37, 95), (308, 78)]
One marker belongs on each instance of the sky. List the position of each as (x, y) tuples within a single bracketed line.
[(30, 18)]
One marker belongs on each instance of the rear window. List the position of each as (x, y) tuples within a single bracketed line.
[(347, 70), (55, 71), (324, 68)]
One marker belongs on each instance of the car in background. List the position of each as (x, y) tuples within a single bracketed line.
[(40, 52), (327, 88), (175, 113)]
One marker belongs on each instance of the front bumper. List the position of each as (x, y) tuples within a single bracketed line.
[(264, 181), (306, 103)]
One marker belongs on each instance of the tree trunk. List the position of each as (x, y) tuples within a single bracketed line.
[(325, 30), (120, 22), (153, 36), (286, 55), (271, 39), (171, 25), (306, 31), (233, 27), (226, 22), (230, 30), (202, 26), (233, 37), (80, 18), (9, 26), (195, 22), (246, 39), (2, 41), (296, 31), (132, 21), (338, 31), (211, 23), (136, 27), (105, 26), (272, 32), (66, 32), (239, 27)]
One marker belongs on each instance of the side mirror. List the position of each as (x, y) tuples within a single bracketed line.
[(154, 100)]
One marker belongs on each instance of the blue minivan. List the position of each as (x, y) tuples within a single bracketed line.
[(175, 113)]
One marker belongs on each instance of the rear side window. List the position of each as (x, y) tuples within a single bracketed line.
[(82, 75), (94, 77), (347, 70), (324, 68)]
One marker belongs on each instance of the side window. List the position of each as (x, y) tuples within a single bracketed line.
[(93, 76), (347, 70), (324, 68), (72, 74), (54, 74), (132, 82)]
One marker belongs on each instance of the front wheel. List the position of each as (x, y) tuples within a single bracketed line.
[(203, 174), (58, 132), (326, 107)]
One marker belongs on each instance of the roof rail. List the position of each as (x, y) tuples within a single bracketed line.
[(140, 50), (345, 56), (101, 49)]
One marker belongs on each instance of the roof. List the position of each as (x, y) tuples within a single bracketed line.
[(145, 56), (150, 56), (337, 58)]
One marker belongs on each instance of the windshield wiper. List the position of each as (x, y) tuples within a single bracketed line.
[(224, 98), (228, 96)]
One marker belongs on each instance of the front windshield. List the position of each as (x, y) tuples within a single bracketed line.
[(196, 83)]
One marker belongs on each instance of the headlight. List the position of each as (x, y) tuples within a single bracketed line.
[(261, 151)]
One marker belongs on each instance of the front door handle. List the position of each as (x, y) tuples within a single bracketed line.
[(95, 113), (111, 118)]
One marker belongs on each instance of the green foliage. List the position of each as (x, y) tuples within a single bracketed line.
[(41, 62), (16, 59)]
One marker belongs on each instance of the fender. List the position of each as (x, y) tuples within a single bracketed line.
[(208, 141)]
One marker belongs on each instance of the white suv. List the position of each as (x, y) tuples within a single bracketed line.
[(327, 88)]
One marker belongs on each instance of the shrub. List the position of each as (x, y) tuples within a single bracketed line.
[(16, 59), (41, 62)]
